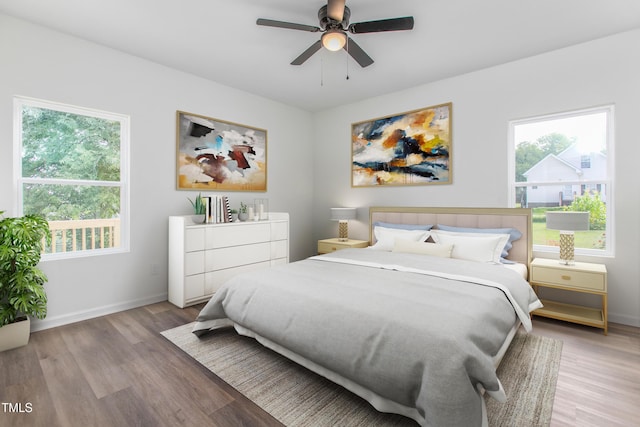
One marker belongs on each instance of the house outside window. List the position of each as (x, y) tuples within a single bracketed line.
[(72, 168), (564, 162)]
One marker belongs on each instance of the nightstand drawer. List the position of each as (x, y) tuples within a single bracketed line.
[(325, 247), (571, 279)]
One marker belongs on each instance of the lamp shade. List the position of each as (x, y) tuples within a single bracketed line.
[(568, 221), (343, 214)]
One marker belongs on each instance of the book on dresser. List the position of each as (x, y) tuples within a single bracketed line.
[(203, 256)]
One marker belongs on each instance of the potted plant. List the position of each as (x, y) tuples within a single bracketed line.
[(243, 215), (199, 209), (234, 215), (22, 294)]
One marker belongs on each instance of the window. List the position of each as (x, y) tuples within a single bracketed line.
[(564, 162), (72, 168)]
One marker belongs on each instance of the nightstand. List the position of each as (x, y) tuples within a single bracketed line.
[(331, 245), (581, 277)]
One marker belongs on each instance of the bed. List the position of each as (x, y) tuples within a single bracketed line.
[(416, 324)]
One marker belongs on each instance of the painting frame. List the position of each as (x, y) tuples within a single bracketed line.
[(405, 149), (219, 155)]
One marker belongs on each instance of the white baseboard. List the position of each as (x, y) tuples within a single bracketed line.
[(624, 320), (65, 319)]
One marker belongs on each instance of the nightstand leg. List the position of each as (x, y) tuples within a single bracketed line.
[(604, 313)]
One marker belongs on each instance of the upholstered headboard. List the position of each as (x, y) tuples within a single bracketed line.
[(518, 218)]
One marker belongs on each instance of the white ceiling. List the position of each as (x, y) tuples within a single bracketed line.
[(220, 41)]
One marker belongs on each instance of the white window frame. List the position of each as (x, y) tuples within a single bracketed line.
[(609, 110), (18, 103)]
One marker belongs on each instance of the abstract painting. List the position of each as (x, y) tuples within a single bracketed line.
[(412, 148), (218, 155)]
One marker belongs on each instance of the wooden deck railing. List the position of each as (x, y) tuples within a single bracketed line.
[(82, 235)]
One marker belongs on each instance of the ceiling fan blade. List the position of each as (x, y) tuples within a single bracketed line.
[(307, 53), (335, 9), (392, 24), (288, 25), (357, 53)]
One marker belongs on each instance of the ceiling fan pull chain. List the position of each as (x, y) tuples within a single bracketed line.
[(322, 70), (347, 56)]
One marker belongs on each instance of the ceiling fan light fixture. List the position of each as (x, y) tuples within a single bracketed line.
[(333, 24), (334, 40)]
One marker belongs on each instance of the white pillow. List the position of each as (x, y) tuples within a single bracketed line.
[(385, 237), (423, 248), (481, 247)]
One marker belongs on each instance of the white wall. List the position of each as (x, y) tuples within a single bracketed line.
[(597, 73), (40, 63)]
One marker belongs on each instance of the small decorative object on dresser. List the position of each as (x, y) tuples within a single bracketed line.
[(261, 207), (331, 245), (203, 256), (199, 209), (580, 277), (243, 214)]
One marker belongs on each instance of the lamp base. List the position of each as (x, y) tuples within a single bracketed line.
[(343, 231), (567, 244)]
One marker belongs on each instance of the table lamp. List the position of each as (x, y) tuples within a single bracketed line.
[(567, 222), (343, 215)]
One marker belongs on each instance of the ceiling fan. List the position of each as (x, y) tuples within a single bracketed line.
[(334, 24)]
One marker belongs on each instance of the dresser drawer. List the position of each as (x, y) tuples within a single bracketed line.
[(234, 235), (218, 259), (215, 279), (279, 230), (194, 239), (193, 263), (568, 278), (194, 287), (279, 249)]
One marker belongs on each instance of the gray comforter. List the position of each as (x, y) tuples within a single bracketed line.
[(419, 331)]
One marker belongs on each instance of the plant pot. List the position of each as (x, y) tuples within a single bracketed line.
[(243, 216), (15, 334), (197, 219)]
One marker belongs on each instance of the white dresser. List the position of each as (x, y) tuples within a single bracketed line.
[(203, 256)]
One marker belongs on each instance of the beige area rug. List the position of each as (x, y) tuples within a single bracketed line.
[(298, 397)]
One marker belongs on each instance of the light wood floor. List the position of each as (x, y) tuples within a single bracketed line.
[(599, 377), (117, 370)]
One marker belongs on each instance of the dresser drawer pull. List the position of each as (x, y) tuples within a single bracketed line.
[(334, 249), (565, 277)]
